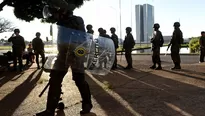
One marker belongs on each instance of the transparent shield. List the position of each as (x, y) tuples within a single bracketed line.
[(46, 12), (81, 51)]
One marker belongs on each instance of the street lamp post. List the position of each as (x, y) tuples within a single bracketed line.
[(120, 19)]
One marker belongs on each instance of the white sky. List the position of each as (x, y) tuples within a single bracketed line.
[(105, 13)]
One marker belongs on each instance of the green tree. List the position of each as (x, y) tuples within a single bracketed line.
[(27, 10), (194, 45)]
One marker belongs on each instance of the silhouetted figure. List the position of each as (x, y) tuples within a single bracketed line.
[(114, 37), (202, 46), (38, 47), (100, 30), (18, 48), (30, 54), (128, 44), (175, 43), (67, 20), (89, 28), (157, 42), (105, 34)]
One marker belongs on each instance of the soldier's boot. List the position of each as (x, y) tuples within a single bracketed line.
[(153, 66), (178, 66), (84, 89), (175, 66), (159, 67), (53, 98)]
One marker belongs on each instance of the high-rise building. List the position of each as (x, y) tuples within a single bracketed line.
[(139, 23), (144, 22)]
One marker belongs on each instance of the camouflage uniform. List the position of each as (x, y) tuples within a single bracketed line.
[(157, 42), (202, 46), (176, 45), (38, 47), (17, 48), (114, 37), (128, 45)]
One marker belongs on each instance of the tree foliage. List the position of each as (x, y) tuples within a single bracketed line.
[(5, 25), (194, 45), (29, 9)]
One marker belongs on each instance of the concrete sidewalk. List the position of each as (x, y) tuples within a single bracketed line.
[(137, 92)]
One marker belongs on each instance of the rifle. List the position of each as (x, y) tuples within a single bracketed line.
[(44, 89)]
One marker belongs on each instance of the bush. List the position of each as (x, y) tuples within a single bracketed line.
[(194, 45)]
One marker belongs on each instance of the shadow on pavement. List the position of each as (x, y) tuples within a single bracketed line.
[(13, 100), (187, 73), (8, 76), (135, 92)]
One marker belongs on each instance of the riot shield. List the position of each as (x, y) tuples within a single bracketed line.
[(81, 51)]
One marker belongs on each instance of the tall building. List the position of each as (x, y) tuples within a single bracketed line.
[(144, 22), (139, 23)]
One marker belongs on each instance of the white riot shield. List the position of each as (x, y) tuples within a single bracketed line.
[(81, 51)]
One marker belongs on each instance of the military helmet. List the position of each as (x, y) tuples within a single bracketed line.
[(89, 26), (38, 33), (176, 24), (129, 29), (156, 25), (112, 29), (16, 31), (100, 29)]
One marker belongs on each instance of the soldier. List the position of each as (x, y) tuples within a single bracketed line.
[(100, 30), (175, 43), (105, 34), (68, 20), (128, 44), (38, 47), (89, 28), (114, 37), (157, 42), (202, 46), (17, 48)]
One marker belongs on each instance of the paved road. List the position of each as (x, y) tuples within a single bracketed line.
[(137, 92)]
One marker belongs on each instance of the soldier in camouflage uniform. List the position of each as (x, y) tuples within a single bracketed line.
[(202, 46), (89, 28), (17, 48), (114, 37), (157, 42), (128, 44), (175, 43)]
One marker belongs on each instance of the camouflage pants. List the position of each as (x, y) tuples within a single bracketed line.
[(128, 56), (175, 55), (202, 54), (156, 56)]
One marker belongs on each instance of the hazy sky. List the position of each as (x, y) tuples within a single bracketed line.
[(105, 13)]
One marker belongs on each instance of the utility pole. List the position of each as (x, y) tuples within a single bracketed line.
[(120, 20)]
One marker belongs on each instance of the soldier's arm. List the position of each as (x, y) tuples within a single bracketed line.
[(10, 39)]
